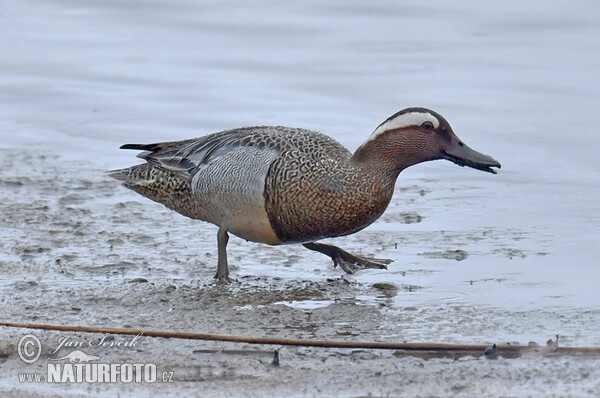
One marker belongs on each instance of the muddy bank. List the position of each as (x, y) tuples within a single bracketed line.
[(334, 309)]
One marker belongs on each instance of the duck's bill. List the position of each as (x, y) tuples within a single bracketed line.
[(462, 155)]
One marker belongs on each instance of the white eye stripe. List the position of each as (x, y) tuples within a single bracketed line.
[(406, 120)]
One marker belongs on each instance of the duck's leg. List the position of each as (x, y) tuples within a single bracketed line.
[(222, 268), (348, 262)]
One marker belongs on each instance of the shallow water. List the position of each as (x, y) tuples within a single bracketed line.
[(478, 257)]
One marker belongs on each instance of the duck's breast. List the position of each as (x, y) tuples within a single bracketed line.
[(317, 193)]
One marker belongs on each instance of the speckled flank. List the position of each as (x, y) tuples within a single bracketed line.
[(218, 178)]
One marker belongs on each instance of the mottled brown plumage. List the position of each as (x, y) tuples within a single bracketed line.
[(285, 185), (322, 195)]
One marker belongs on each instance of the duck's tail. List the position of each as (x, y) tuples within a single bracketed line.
[(130, 176), (160, 186)]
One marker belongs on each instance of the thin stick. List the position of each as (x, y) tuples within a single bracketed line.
[(168, 334)]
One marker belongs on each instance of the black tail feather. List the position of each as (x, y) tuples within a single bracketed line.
[(141, 147)]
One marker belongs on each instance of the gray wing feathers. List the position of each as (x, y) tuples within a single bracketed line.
[(243, 146), (184, 158)]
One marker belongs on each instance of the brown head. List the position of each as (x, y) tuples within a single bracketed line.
[(416, 135)]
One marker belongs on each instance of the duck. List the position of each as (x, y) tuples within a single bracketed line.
[(281, 185)]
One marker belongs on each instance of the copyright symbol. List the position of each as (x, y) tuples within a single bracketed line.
[(29, 348)]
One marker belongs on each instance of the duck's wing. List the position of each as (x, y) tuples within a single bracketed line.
[(184, 158)]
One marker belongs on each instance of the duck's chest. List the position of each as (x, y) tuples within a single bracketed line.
[(323, 198)]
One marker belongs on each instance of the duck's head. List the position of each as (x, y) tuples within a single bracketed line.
[(416, 135)]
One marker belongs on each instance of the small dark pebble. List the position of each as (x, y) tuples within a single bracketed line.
[(138, 280), (387, 289), (170, 289), (22, 285)]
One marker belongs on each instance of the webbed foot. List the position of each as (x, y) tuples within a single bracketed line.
[(350, 263)]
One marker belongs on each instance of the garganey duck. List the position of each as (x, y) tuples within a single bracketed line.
[(281, 185)]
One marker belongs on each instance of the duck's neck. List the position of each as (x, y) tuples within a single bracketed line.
[(386, 156)]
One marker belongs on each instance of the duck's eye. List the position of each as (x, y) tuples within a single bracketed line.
[(427, 125)]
